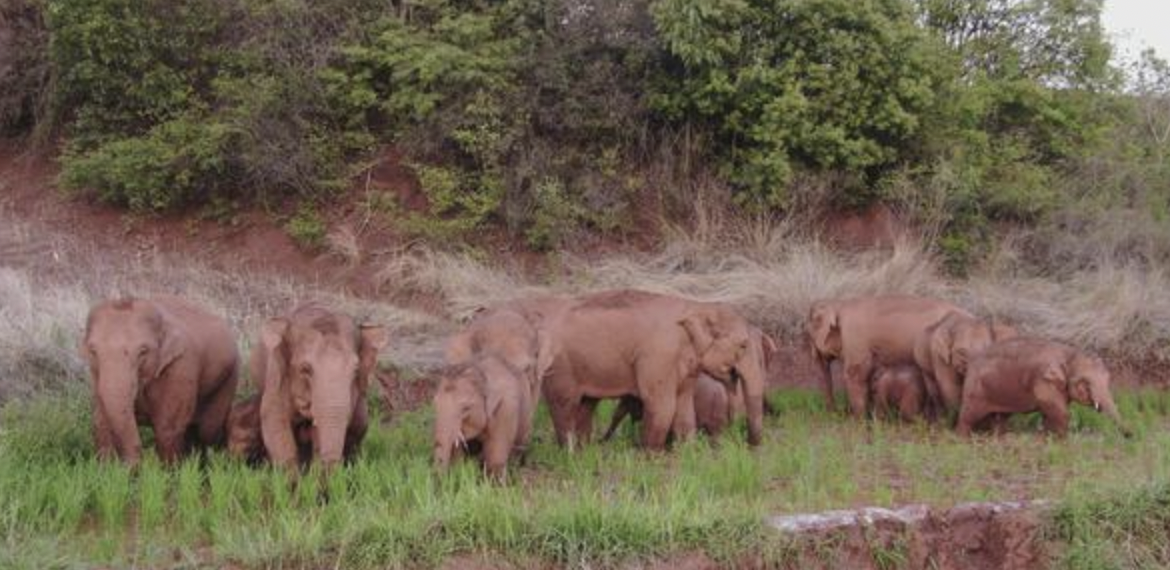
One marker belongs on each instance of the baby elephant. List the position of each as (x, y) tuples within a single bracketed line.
[(899, 388), (245, 442), (482, 403), (1023, 375)]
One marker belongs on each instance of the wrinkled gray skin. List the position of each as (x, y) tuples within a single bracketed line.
[(489, 392), (161, 362), (1023, 375), (313, 366)]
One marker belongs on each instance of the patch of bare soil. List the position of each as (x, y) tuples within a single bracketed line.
[(967, 536)]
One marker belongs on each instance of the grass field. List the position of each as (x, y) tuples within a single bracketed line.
[(607, 505)]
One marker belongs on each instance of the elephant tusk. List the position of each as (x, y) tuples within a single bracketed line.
[(1096, 405), (460, 441)]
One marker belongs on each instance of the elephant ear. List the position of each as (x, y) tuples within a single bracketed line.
[(544, 356), (373, 339), (698, 327), (172, 344), (1056, 375), (828, 322), (942, 339)]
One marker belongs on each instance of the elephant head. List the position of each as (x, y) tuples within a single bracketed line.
[(1087, 381), (469, 395), (318, 368), (728, 351), (128, 344), (823, 330)]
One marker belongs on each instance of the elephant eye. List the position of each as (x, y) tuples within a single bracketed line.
[(142, 350), (306, 370)]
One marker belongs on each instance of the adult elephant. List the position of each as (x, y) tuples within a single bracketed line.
[(634, 343), (943, 351), (865, 332), (716, 404), (313, 367), (161, 362)]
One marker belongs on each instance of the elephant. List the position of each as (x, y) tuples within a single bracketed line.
[(514, 335), (313, 367), (864, 332), (245, 442), (483, 404), (946, 347), (161, 362), (716, 405), (1026, 374), (899, 388), (494, 396), (634, 343)]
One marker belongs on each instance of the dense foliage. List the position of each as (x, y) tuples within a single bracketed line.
[(555, 118)]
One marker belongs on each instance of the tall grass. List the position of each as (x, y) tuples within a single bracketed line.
[(604, 506)]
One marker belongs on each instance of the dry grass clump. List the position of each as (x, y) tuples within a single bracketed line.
[(38, 335), (773, 270)]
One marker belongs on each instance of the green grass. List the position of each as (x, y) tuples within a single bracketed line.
[(606, 505)]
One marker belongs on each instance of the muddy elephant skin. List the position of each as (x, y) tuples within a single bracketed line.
[(867, 332), (1029, 374), (650, 346), (313, 366), (162, 362)]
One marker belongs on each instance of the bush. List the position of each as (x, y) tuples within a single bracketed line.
[(178, 162), (307, 228)]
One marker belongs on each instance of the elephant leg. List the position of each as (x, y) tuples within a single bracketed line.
[(356, 431), (584, 419), (658, 415), (970, 416), (214, 410), (564, 415), (103, 438), (170, 443), (826, 371), (1055, 417), (683, 426), (857, 375), (949, 387)]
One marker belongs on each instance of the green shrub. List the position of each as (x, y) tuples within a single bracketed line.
[(178, 162), (306, 227), (555, 217)]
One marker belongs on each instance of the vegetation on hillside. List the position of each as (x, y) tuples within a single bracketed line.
[(557, 119)]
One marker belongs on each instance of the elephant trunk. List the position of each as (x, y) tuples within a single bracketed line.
[(1104, 404), (448, 434), (331, 419), (752, 380), (117, 392)]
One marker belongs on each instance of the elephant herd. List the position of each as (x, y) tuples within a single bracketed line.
[(678, 366)]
